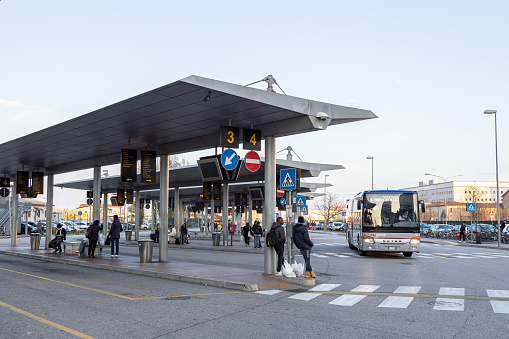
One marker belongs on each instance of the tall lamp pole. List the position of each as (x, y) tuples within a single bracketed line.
[(325, 205), (445, 189), (371, 158), (494, 112)]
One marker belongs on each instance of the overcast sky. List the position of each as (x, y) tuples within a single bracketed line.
[(427, 69)]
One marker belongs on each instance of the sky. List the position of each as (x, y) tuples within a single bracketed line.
[(427, 69)]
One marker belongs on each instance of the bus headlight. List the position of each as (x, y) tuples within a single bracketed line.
[(368, 239), (415, 240)]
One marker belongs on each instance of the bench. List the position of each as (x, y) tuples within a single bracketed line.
[(75, 245)]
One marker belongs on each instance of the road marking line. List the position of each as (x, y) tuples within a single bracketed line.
[(269, 292), (400, 302), (47, 322), (310, 295), (499, 306), (449, 304), (341, 256), (318, 255), (324, 287), (113, 294)]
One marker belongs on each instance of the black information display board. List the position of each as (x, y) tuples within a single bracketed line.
[(238, 199), (252, 139), (217, 191), (229, 137), (148, 167), (129, 196), (244, 199), (5, 182), (128, 165), (90, 194), (37, 182), (22, 182), (207, 190), (120, 197)]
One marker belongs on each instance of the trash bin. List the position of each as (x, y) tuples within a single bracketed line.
[(216, 237), (35, 241), (146, 247), (128, 235)]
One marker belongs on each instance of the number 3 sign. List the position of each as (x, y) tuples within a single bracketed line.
[(229, 137)]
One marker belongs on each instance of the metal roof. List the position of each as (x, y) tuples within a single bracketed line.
[(171, 119)]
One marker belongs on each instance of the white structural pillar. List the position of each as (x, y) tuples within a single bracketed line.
[(153, 214), (269, 207), (176, 211), (225, 212), (249, 211), (97, 194), (49, 209), (163, 209), (14, 218), (137, 215), (105, 213)]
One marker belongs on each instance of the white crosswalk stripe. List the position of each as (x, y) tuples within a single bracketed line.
[(420, 255), (352, 299), (497, 305), (450, 304), (399, 301), (319, 288), (269, 292)]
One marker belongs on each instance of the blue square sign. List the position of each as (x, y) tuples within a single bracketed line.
[(471, 207), (300, 200), (288, 180)]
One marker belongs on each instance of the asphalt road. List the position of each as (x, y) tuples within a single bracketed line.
[(377, 296)]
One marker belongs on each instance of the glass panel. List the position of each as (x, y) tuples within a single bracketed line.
[(391, 210)]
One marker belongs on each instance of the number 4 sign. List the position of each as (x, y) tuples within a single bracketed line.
[(252, 140)]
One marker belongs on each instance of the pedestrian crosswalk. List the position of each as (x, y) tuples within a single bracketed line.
[(447, 298), (419, 255)]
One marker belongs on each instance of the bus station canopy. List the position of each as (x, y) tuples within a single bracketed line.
[(180, 117)]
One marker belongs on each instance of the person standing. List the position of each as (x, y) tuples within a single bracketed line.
[(257, 232), (94, 236), (304, 244), (114, 234), (245, 233), (183, 234), (279, 246), (463, 228), (156, 234)]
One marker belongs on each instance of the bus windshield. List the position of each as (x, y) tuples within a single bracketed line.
[(391, 210)]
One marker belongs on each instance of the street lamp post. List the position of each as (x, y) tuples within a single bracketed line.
[(445, 189), (494, 112), (371, 158)]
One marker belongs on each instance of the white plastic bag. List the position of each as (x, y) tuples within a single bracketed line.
[(102, 239), (288, 270), (298, 269)]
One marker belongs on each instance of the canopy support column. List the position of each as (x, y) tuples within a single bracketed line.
[(163, 209), (269, 207)]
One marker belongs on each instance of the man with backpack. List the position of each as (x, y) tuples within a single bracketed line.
[(276, 238), (304, 244)]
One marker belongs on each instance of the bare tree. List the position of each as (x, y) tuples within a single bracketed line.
[(474, 194), (329, 208)]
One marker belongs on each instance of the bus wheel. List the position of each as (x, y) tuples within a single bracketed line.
[(407, 254), (352, 247), (363, 253)]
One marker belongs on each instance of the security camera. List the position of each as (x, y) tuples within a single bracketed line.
[(322, 116)]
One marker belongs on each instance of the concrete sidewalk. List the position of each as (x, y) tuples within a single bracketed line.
[(211, 275)]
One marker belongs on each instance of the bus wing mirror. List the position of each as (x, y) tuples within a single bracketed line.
[(359, 205), (423, 207)]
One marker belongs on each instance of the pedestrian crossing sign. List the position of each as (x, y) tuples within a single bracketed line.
[(288, 179), (304, 209), (300, 200), (471, 207)]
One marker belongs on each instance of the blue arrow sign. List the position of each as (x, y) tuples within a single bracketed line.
[(282, 201), (471, 207), (304, 209), (229, 159), (288, 180), (300, 200)]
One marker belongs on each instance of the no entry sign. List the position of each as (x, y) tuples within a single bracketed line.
[(252, 161), (280, 192)]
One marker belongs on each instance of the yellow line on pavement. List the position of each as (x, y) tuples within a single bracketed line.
[(468, 297), (47, 322), (113, 294)]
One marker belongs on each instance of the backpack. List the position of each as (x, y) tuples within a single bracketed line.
[(271, 238)]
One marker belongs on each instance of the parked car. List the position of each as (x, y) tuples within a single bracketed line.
[(318, 226), (30, 228), (339, 226)]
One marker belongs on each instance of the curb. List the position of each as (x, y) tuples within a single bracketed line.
[(233, 285), (297, 281)]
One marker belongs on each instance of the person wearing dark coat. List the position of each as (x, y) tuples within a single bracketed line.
[(245, 233), (94, 236), (304, 244), (257, 232), (114, 234), (183, 234), (60, 236), (279, 247)]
